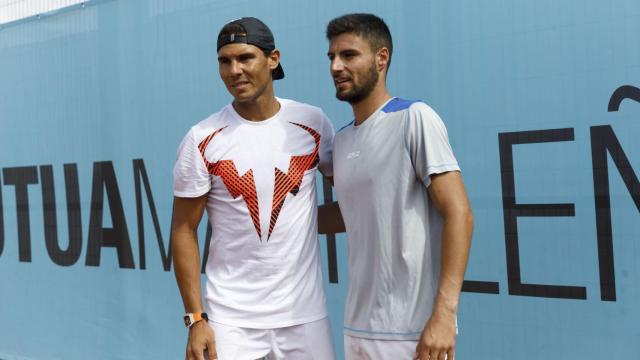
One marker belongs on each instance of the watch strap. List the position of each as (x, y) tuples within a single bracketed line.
[(191, 318)]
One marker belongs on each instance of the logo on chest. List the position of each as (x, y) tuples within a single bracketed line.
[(353, 155), (245, 185)]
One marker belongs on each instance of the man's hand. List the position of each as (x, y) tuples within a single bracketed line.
[(438, 339), (201, 339)]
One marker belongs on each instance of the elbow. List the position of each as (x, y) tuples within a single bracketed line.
[(462, 217), (466, 217), (469, 220), (468, 224)]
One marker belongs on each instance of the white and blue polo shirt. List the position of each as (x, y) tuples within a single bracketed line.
[(382, 170)]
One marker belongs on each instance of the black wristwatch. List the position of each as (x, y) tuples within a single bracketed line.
[(192, 318)]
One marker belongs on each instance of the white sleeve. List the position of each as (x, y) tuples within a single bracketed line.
[(190, 176), (428, 143), (326, 147)]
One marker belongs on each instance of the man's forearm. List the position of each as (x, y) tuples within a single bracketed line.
[(456, 242), (186, 258)]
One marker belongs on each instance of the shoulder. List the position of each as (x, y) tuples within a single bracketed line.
[(213, 122), (398, 105), (413, 107), (422, 119), (412, 110), (292, 105), (312, 115), (422, 109)]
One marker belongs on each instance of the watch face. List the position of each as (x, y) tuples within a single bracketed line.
[(187, 321)]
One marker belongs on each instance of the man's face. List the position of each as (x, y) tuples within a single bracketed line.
[(245, 70), (353, 67)]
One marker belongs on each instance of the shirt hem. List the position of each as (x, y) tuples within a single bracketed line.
[(433, 170), (380, 334), (185, 194)]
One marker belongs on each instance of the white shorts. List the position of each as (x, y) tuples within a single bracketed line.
[(370, 349), (305, 341)]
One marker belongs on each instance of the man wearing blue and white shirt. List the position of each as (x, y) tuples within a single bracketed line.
[(403, 203)]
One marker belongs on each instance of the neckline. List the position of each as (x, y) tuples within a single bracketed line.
[(261, 122), (373, 116)]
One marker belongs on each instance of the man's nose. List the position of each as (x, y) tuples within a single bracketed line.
[(336, 65), (235, 67)]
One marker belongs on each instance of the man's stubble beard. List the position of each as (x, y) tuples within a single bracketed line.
[(360, 92)]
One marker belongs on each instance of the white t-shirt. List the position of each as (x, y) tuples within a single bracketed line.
[(263, 269), (382, 170)]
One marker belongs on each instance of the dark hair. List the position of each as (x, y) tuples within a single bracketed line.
[(368, 26), (239, 30)]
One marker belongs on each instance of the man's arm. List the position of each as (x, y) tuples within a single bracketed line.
[(187, 213), (450, 199)]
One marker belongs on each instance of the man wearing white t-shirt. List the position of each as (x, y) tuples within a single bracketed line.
[(252, 166), (403, 202)]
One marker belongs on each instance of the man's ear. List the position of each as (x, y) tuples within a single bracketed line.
[(274, 59), (382, 59)]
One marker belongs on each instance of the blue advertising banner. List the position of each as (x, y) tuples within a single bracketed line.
[(542, 104)]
